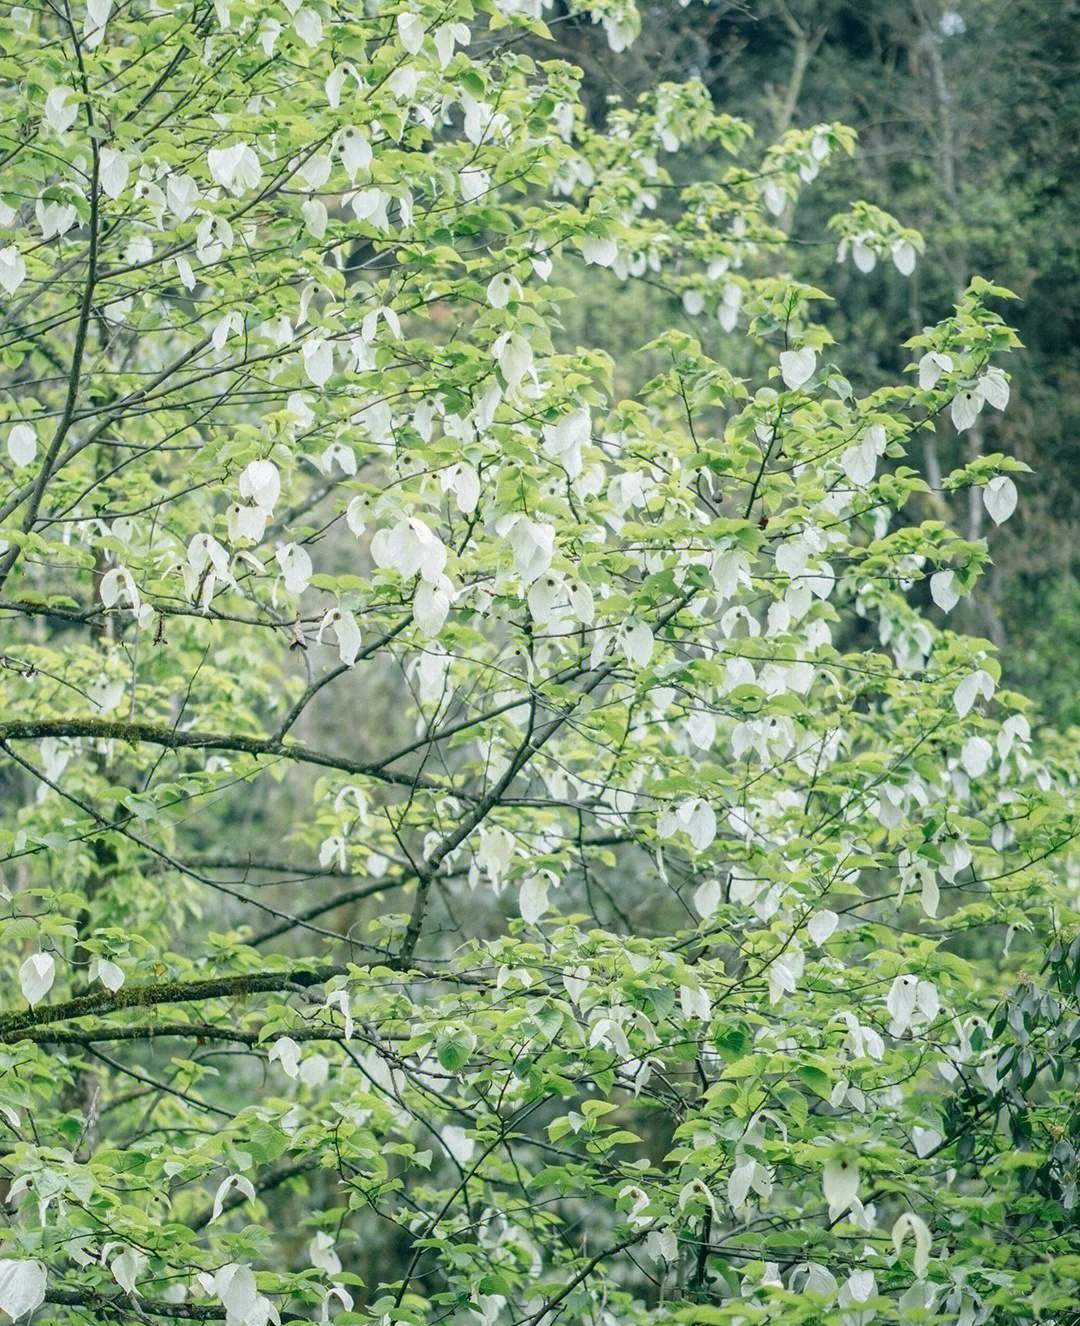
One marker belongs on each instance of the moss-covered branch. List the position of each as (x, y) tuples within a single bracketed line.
[(165, 992)]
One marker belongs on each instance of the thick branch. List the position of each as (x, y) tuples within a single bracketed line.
[(164, 992), (121, 1307), (159, 734), (150, 1031)]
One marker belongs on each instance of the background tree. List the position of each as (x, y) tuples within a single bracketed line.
[(966, 115)]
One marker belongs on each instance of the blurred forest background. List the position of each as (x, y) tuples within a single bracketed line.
[(968, 116)]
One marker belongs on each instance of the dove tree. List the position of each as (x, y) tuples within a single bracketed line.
[(492, 834)]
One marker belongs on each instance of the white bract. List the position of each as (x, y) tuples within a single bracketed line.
[(235, 168), (774, 196), (12, 269), (61, 108), (821, 925), (308, 25), (859, 461), (975, 756), (113, 168), (797, 366), (234, 1285), (600, 250), (318, 357), (474, 183), (410, 548), (261, 483), (287, 1052), (127, 1267), (910, 1224), (707, 898), (36, 976), (943, 590), (514, 355), (118, 582), (931, 367), (999, 497), (533, 898), (22, 1286), (242, 1185), (346, 632), (903, 256), (295, 566), (22, 444), (411, 31), (973, 685), (965, 408), (107, 972), (840, 1182), (533, 545), (97, 15), (901, 1003)]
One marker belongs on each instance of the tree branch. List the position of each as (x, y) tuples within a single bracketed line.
[(157, 734), (165, 992)]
